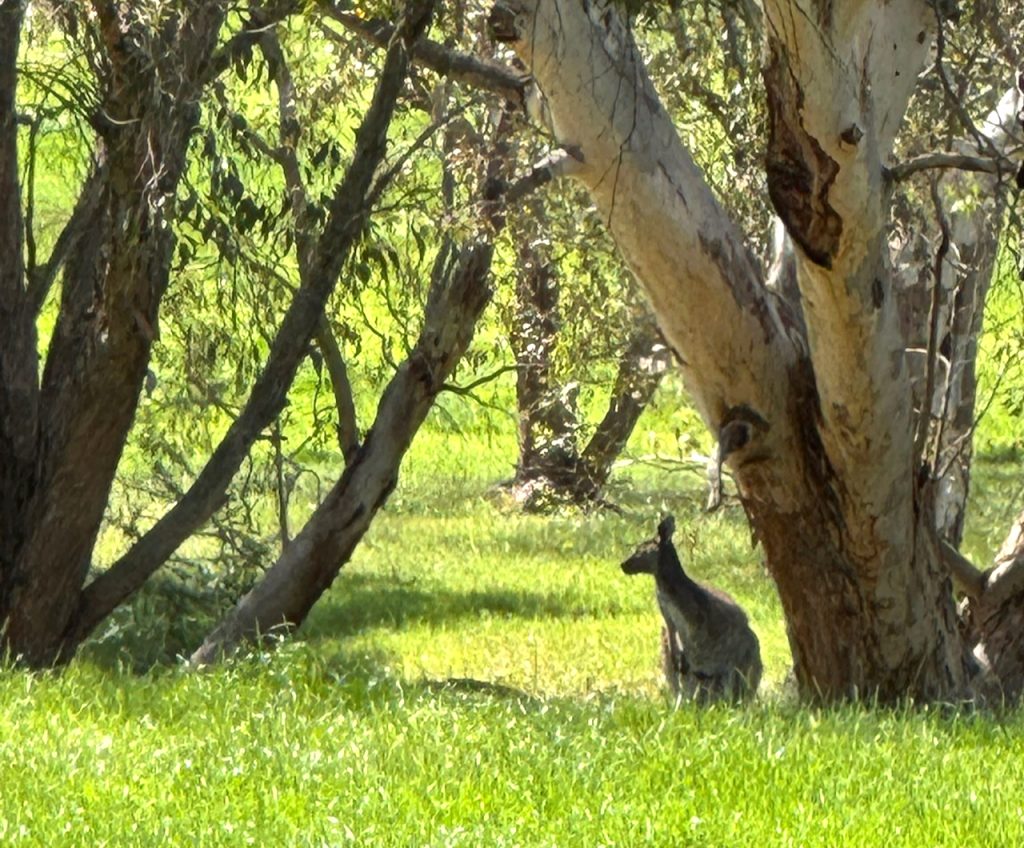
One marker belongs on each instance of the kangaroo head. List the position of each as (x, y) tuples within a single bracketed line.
[(644, 560)]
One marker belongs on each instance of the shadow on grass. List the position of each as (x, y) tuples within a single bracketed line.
[(361, 602)]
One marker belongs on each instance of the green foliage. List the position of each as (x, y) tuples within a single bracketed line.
[(1000, 364)]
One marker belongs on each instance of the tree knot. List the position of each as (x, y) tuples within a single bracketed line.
[(739, 427)]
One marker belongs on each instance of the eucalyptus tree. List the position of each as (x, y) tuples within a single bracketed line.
[(144, 77), (806, 382)]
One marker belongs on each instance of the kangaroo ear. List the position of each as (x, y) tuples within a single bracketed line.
[(667, 528)]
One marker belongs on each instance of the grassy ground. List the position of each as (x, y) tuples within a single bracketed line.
[(357, 733)]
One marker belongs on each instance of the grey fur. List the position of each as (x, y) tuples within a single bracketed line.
[(709, 652)]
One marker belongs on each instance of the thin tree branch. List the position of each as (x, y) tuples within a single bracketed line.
[(43, 276), (459, 66), (966, 576), (924, 421), (949, 161), (341, 386), (262, 21), (480, 381)]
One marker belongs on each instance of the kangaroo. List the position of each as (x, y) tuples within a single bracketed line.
[(709, 652)]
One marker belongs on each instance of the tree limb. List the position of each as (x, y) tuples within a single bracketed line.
[(462, 67), (341, 386), (957, 161), (965, 575), (43, 276), (19, 379)]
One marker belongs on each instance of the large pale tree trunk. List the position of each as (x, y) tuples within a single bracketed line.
[(818, 423)]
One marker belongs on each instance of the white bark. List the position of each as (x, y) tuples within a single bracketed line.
[(830, 486), (839, 82), (690, 257)]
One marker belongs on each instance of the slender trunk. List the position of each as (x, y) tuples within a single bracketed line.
[(308, 567), (341, 388), (952, 288)]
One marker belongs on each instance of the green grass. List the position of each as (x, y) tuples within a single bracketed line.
[(313, 747), (355, 733)]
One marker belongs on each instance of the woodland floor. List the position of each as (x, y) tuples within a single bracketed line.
[(354, 733)]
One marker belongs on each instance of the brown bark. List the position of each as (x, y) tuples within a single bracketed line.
[(341, 387), (347, 216), (855, 632), (642, 365), (283, 598), (19, 389), (113, 283), (552, 463), (548, 421)]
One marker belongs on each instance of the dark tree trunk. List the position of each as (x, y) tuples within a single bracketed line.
[(348, 214), (552, 466), (341, 388), (113, 282), (642, 365), (548, 419), (995, 617), (19, 388)]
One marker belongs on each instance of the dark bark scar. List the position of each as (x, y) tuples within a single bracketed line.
[(800, 173)]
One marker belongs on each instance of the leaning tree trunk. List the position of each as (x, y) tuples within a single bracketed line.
[(641, 367), (816, 426), (307, 567), (995, 616), (459, 291)]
